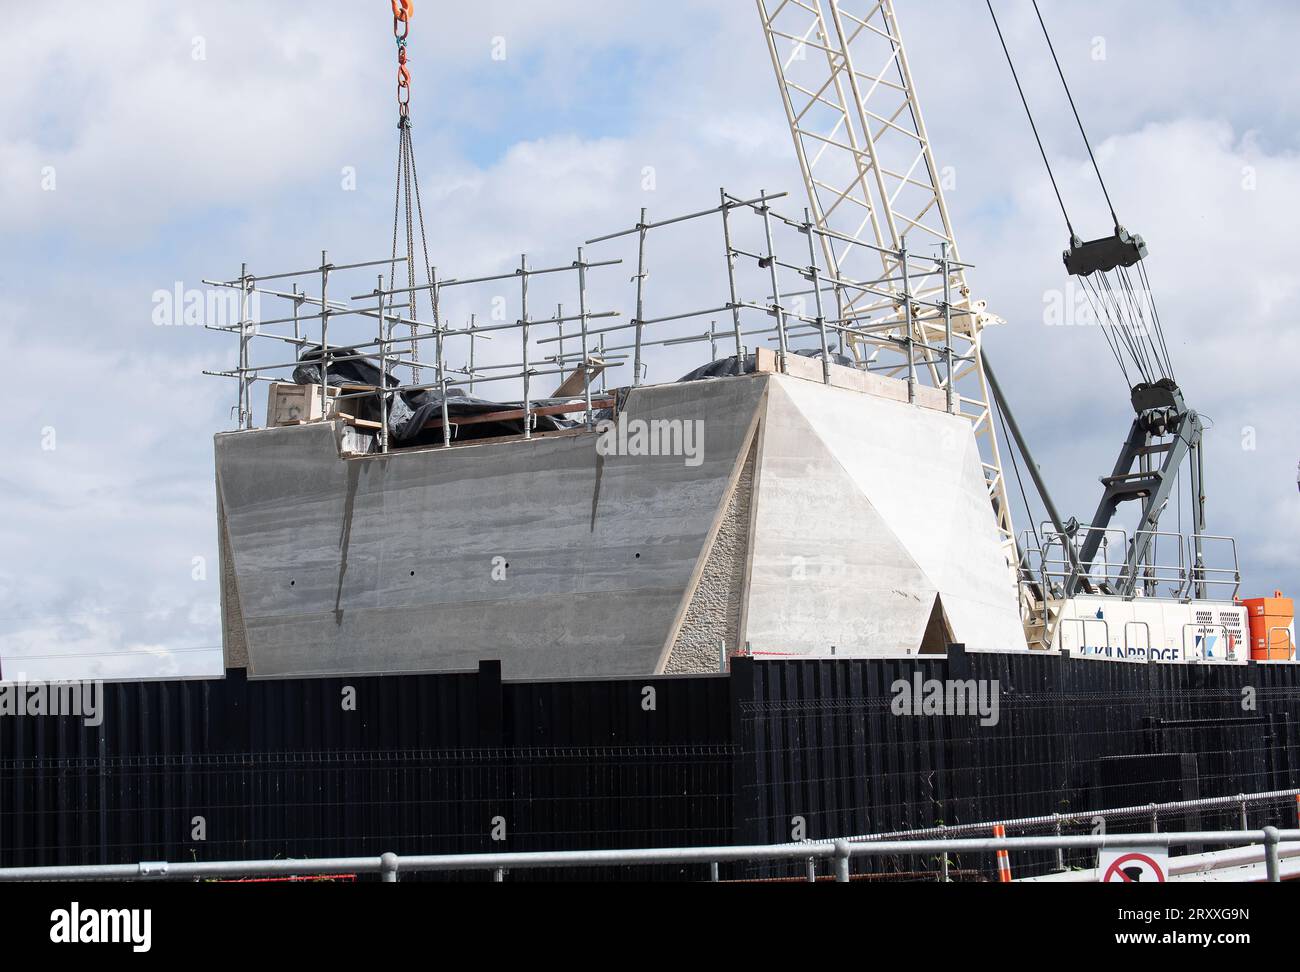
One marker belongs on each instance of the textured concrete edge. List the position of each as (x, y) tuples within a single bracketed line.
[(756, 486), (234, 634), (733, 480)]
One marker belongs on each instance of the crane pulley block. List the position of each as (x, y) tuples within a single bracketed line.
[(1099, 256), (1157, 395)]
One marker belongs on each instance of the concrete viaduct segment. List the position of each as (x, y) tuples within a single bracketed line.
[(780, 513)]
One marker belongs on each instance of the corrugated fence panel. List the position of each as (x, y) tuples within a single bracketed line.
[(776, 751), (1070, 735)]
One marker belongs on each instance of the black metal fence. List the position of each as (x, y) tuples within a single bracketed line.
[(828, 754), (775, 751)]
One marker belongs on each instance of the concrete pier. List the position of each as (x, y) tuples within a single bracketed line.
[(805, 518)]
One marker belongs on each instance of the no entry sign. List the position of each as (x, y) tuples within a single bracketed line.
[(1148, 866)]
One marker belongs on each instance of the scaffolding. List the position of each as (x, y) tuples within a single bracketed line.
[(791, 306)]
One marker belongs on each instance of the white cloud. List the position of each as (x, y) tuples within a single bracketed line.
[(171, 169)]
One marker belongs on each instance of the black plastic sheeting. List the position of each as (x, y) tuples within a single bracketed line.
[(417, 409), (347, 367), (410, 412), (733, 366)]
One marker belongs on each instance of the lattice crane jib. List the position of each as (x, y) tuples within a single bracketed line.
[(872, 182)]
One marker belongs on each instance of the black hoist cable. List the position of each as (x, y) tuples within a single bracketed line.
[(1032, 124), (1131, 326), (1079, 121)]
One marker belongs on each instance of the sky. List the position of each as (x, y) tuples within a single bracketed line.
[(159, 144)]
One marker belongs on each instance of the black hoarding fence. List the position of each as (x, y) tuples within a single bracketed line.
[(245, 770), (848, 748), (774, 752)]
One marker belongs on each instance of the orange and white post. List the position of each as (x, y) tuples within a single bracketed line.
[(1004, 856)]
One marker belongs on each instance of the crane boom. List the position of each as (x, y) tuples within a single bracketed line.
[(872, 181)]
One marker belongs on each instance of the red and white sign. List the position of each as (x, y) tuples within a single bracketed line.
[(1146, 866)]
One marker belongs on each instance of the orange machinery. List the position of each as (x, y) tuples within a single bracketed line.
[(1272, 631)]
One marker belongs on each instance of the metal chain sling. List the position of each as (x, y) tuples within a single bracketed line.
[(408, 186)]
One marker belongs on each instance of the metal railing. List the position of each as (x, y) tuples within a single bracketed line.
[(1083, 628), (1204, 576), (1241, 802), (1049, 562), (905, 325), (1287, 641), (1054, 570), (1145, 626), (840, 854)]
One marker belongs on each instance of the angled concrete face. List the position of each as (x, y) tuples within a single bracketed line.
[(867, 510), (543, 554), (827, 571), (815, 518)]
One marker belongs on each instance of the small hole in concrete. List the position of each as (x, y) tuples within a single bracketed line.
[(293, 583)]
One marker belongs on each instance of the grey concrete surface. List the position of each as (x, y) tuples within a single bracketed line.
[(867, 509), (828, 570), (398, 563), (819, 517)]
